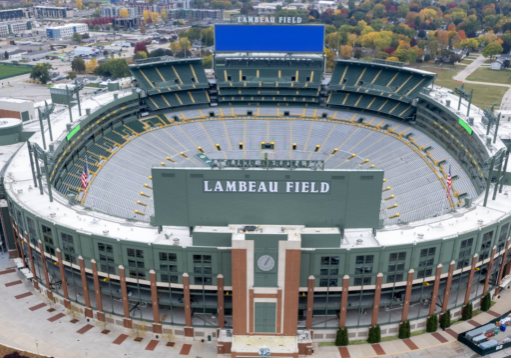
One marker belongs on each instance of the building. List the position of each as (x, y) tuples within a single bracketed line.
[(177, 4), (501, 62), (141, 6), (86, 51), (195, 14), (52, 12), (17, 108), (13, 28), (14, 14), (66, 31), (114, 11), (35, 55), (16, 54), (127, 22), (305, 202)]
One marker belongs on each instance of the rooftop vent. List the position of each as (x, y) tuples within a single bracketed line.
[(176, 241), (420, 236), (105, 232), (360, 242), (249, 228), (480, 222), (52, 215)]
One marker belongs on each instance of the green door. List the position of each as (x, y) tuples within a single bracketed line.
[(265, 317)]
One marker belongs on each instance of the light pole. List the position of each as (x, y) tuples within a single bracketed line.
[(37, 346), (86, 352)]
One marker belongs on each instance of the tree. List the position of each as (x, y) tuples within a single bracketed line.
[(492, 49), (374, 334), (140, 46), (345, 51), (208, 37), (184, 43), (14, 355), (146, 15), (124, 13), (71, 75), (432, 46), (342, 337), (143, 30), (469, 43), (78, 65), (174, 46), (91, 65), (77, 37), (467, 312), (432, 324), (207, 62), (163, 14), (40, 72), (330, 59), (113, 68), (116, 28), (486, 302), (6, 55), (140, 55), (445, 320), (155, 17), (79, 4), (404, 330)]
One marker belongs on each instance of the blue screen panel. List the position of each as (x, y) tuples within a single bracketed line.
[(267, 38)]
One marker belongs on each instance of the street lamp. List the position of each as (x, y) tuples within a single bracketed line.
[(37, 346)]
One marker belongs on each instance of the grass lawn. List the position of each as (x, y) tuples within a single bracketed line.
[(467, 61), (484, 95), (95, 85), (492, 76), (7, 70)]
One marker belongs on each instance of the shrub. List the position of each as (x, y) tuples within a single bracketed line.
[(445, 320), (342, 337), (486, 302), (374, 334), (467, 312), (404, 330), (432, 324)]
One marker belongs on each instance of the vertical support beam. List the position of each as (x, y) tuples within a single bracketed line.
[(310, 302), (408, 294), (29, 147), (291, 292), (85, 287), (488, 271), (434, 296), (239, 291), (97, 290), (470, 279), (344, 300), (499, 173), (469, 102), (67, 304), (78, 100), (45, 270), (488, 181), (220, 300), (157, 328), (36, 158), (69, 105), (125, 303), (376, 302), (508, 269), (31, 257), (188, 307), (18, 239), (504, 170), (42, 128), (496, 129), (459, 103), (46, 173)]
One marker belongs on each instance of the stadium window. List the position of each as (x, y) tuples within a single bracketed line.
[(169, 278), (31, 229), (503, 232), (325, 282), (108, 269), (397, 256), (330, 260), (395, 278), (165, 256), (137, 274), (359, 281), (171, 268), (68, 248), (487, 237), (48, 240), (203, 281)]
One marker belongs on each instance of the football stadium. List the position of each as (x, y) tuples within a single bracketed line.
[(266, 206)]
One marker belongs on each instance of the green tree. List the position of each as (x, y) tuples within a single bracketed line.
[(41, 72), (432, 324), (467, 312), (207, 62), (6, 55), (404, 330), (378, 10), (445, 320), (432, 46), (71, 75), (113, 68), (78, 65), (208, 36), (374, 334), (116, 28), (77, 37), (492, 49), (341, 338), (486, 302)]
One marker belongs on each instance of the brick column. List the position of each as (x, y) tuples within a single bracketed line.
[(434, 296), (67, 304), (18, 237), (45, 270), (310, 302), (291, 293), (97, 289), (488, 271), (344, 300), (470, 279), (88, 310), (503, 264), (377, 296), (157, 328), (125, 303), (220, 301), (448, 284), (31, 258), (408, 293), (188, 307)]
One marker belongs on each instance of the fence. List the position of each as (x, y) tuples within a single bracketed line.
[(479, 350), (29, 67)]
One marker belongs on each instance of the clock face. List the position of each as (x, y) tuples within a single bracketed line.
[(265, 263)]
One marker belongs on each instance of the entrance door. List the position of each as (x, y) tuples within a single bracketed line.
[(265, 317)]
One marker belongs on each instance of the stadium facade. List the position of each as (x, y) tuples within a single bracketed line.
[(267, 207)]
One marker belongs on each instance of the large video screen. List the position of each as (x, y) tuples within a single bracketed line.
[(269, 38), (205, 197)]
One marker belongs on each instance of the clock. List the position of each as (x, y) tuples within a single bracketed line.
[(266, 263)]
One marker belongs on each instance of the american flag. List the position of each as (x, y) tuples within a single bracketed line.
[(449, 182), (85, 175)]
